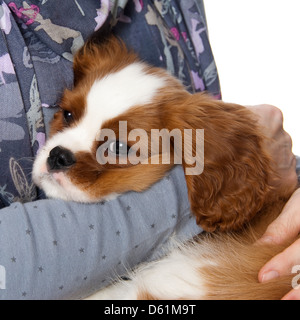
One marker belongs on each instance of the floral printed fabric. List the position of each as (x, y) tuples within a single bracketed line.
[(37, 43), (172, 35)]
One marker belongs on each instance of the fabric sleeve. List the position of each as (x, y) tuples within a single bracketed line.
[(52, 249)]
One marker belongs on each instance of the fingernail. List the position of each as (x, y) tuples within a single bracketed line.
[(269, 276)]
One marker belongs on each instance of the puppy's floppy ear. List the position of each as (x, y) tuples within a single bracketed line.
[(83, 59), (101, 54), (235, 180)]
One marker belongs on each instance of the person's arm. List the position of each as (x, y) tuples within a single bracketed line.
[(52, 249)]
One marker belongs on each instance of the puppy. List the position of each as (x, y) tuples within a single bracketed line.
[(232, 185)]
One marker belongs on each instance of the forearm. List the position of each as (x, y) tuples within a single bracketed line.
[(52, 249)]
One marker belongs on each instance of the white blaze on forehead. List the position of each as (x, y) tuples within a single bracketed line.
[(108, 98), (117, 92)]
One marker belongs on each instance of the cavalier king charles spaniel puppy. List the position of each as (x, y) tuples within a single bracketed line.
[(233, 188)]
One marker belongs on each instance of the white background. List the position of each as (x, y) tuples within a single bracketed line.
[(256, 45)]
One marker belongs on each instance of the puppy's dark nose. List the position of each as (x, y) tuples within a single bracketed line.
[(60, 159)]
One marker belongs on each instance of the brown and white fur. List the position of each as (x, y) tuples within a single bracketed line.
[(236, 197)]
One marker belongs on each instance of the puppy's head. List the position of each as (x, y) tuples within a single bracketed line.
[(106, 123), (111, 85)]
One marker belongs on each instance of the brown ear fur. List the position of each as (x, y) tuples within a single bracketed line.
[(235, 182)]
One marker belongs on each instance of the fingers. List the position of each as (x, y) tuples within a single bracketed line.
[(293, 295), (282, 148), (270, 118), (285, 228), (278, 142), (287, 225), (275, 117), (282, 264)]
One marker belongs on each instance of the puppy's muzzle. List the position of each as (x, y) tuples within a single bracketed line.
[(60, 159)]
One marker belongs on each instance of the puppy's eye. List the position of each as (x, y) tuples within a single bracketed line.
[(119, 148), (68, 117)]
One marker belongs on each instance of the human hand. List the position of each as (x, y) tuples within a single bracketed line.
[(285, 228), (279, 142)]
